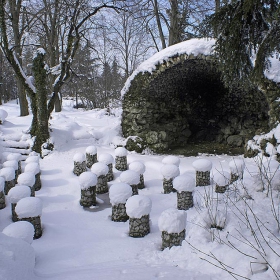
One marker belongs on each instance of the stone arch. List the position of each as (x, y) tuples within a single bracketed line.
[(184, 100)]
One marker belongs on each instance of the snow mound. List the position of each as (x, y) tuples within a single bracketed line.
[(130, 177), (8, 173), (21, 229), (221, 177), (2, 184), (79, 157), (138, 206), (14, 156), (137, 166), (3, 115), (18, 192), (106, 158), (30, 159), (237, 166), (87, 179), (184, 183), (29, 207), (26, 178), (11, 163), (119, 193), (202, 165), (91, 150), (170, 171), (171, 160), (99, 168), (121, 152), (172, 220), (32, 167)]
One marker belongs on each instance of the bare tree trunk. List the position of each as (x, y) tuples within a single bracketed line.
[(23, 104), (156, 11), (217, 5)]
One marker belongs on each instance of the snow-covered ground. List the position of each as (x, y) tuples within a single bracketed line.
[(85, 244)]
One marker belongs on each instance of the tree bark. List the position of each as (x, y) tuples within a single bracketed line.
[(156, 11)]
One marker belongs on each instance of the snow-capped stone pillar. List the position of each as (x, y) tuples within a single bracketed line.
[(100, 170), (171, 160), (169, 172), (185, 186), (172, 224), (221, 179), (203, 168), (8, 173), (140, 168), (14, 165), (88, 181), (118, 194), (91, 156), (27, 179), (108, 159), (121, 158), (17, 157), (34, 168), (131, 178), (138, 208), (79, 164), (236, 167), (30, 209), (2, 194), (15, 195)]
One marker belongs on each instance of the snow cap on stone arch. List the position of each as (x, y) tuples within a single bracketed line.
[(119, 193), (138, 206), (91, 150), (130, 177), (137, 166), (87, 179), (99, 168), (170, 171)]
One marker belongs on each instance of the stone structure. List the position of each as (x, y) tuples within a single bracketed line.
[(221, 179), (35, 168), (91, 156), (101, 170), (172, 239), (79, 164), (14, 165), (28, 179), (8, 173), (108, 160), (119, 213), (88, 182), (2, 199), (202, 168), (183, 99), (121, 159), (139, 227), (169, 172), (236, 167), (140, 168), (17, 157), (131, 178)]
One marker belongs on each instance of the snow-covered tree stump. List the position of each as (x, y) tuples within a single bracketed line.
[(34, 168), (138, 208), (88, 181), (108, 159), (172, 224), (236, 167), (169, 172), (27, 179), (91, 156), (17, 157), (185, 186), (79, 164), (140, 168), (222, 180), (21, 229), (8, 173), (15, 195), (131, 178), (118, 194), (100, 170), (121, 159), (2, 194), (203, 168), (30, 209), (14, 165), (171, 160)]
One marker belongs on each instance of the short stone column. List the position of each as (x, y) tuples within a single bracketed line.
[(185, 186), (138, 208), (121, 158), (27, 179), (171, 160), (79, 164), (30, 209), (202, 168), (15, 195), (221, 180), (33, 157), (91, 156), (2, 194), (236, 167), (119, 193), (88, 181), (34, 167), (100, 170), (18, 158), (140, 168), (22, 229), (14, 165), (8, 173), (131, 178), (169, 172), (108, 159), (172, 224)]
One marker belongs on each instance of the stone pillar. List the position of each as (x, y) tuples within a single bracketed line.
[(121, 159), (236, 167), (34, 167), (172, 224), (27, 179), (14, 165), (184, 200), (169, 172), (119, 213), (100, 170), (79, 164), (8, 173), (167, 185), (17, 157), (2, 200), (36, 222), (140, 168), (88, 182), (203, 168), (221, 179), (139, 227), (91, 156), (108, 160), (131, 178)]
